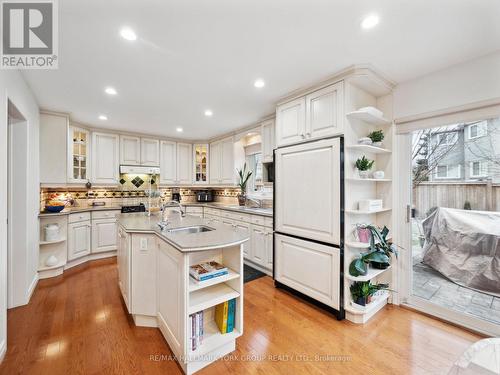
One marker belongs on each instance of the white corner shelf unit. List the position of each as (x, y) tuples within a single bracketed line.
[(358, 124), (42, 243), (57, 248)]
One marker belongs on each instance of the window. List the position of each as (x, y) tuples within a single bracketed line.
[(477, 130), (448, 171), (478, 169)]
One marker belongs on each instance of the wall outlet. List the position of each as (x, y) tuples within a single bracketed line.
[(144, 243)]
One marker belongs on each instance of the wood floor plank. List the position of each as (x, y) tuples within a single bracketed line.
[(76, 324)]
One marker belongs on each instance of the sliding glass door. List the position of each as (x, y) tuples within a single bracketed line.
[(453, 222)]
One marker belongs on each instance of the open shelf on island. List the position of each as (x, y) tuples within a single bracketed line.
[(194, 285), (367, 212), (52, 242), (372, 273), (357, 179), (368, 117), (376, 304), (210, 296), (59, 264), (212, 339), (369, 149)]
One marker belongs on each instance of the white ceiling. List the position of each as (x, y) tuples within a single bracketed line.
[(194, 55)]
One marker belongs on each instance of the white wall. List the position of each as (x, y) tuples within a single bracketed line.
[(13, 87), (462, 84)]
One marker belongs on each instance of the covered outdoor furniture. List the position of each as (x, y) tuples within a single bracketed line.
[(464, 246)]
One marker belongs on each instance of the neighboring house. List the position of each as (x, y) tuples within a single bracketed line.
[(466, 152)]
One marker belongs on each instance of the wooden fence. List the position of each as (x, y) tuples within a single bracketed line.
[(484, 196)]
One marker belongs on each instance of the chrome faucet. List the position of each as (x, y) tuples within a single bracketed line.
[(172, 204)]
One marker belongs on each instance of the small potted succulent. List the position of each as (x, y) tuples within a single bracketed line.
[(364, 165), (377, 137), (244, 175)]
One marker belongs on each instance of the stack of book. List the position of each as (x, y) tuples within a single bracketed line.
[(207, 271), (224, 315), (196, 325)]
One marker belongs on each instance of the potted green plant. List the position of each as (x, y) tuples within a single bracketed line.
[(362, 291), (359, 265), (377, 137), (380, 243), (244, 175), (363, 165)]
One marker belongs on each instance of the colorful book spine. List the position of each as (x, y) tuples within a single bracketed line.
[(196, 329), (231, 315), (208, 277), (221, 316)]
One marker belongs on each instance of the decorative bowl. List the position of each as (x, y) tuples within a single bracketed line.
[(54, 208)]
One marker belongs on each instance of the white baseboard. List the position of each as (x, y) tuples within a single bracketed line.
[(32, 287), (3, 349), (87, 258)]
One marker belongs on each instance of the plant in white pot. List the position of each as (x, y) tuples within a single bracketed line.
[(364, 165), (244, 175), (377, 137)]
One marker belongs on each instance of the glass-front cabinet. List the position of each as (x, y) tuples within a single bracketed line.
[(78, 161), (200, 158)]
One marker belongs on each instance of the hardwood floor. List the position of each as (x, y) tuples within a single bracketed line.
[(77, 324)]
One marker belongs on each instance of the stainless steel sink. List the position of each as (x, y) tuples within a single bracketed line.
[(192, 229)]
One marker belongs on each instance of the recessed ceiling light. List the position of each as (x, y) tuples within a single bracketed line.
[(179, 130), (110, 91), (128, 34), (370, 21), (103, 117), (259, 83), (208, 113)]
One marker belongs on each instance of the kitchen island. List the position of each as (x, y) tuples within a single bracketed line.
[(153, 273)]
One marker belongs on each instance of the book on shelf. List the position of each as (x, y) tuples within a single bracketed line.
[(197, 331), (225, 315), (207, 271)]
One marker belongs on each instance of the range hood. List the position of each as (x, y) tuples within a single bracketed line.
[(138, 169)]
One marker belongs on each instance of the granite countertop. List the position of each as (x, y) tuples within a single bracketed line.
[(220, 237), (74, 210), (249, 210)]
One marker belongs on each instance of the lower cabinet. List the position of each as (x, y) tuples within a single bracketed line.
[(79, 239), (123, 256), (247, 230), (171, 296), (308, 267), (258, 237), (103, 235), (144, 251)]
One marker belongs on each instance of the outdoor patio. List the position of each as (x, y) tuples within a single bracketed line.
[(432, 286)]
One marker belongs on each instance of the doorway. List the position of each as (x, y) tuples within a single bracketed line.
[(452, 216), (17, 208)]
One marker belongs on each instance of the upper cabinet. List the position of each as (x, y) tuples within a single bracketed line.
[(78, 155), (222, 162), (200, 159), (267, 134), (184, 163), (130, 150), (176, 163), (168, 162), (150, 152), (314, 116), (53, 160), (105, 158)]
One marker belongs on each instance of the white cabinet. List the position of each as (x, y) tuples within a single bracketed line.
[(78, 155), (200, 160), (143, 277), (246, 229), (104, 235), (317, 115), (123, 260), (267, 134), (150, 152), (171, 295), (259, 254), (168, 162), (311, 170), (215, 163), (53, 160), (269, 249), (78, 239), (291, 122), (184, 163), (308, 267), (222, 169), (324, 112), (130, 150), (105, 158)]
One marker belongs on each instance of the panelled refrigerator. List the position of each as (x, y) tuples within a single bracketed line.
[(309, 220)]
